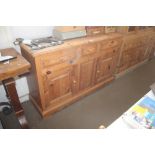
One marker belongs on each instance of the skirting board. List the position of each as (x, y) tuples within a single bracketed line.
[(130, 69)]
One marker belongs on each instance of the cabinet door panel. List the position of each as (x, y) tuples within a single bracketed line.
[(152, 52), (90, 48), (105, 68), (125, 62), (58, 87), (86, 74), (74, 77), (129, 58), (143, 53), (133, 55)]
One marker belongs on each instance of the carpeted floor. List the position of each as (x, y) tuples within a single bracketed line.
[(101, 107)]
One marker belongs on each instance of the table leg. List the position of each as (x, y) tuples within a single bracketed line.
[(11, 93)]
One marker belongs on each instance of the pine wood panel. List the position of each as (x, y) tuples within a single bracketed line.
[(86, 74), (104, 69)]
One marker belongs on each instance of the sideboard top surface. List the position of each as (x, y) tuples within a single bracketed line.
[(71, 43)]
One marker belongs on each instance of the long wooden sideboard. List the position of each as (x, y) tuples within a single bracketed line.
[(62, 74)]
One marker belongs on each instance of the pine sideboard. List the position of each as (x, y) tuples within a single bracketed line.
[(60, 75)]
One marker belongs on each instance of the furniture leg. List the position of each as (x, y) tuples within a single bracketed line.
[(11, 92)]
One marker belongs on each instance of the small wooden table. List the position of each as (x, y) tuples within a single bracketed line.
[(8, 71)]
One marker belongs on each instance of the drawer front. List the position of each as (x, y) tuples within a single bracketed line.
[(58, 57), (52, 72), (108, 53), (89, 49), (95, 30), (109, 44), (53, 59), (110, 29), (70, 28)]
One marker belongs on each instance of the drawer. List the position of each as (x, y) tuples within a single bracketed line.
[(110, 29), (108, 53), (48, 61), (58, 57), (109, 44), (53, 72), (94, 30), (89, 49), (69, 28)]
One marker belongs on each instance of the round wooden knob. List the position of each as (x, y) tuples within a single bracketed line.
[(71, 62), (48, 72), (98, 71), (74, 82)]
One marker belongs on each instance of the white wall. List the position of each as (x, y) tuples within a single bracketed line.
[(31, 32), (8, 34)]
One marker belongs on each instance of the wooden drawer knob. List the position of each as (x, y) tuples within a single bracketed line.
[(48, 72), (98, 71), (71, 61), (74, 82)]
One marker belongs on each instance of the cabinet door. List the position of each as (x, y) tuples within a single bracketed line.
[(134, 56), (152, 52), (124, 62), (86, 74), (58, 85), (143, 53), (104, 70)]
